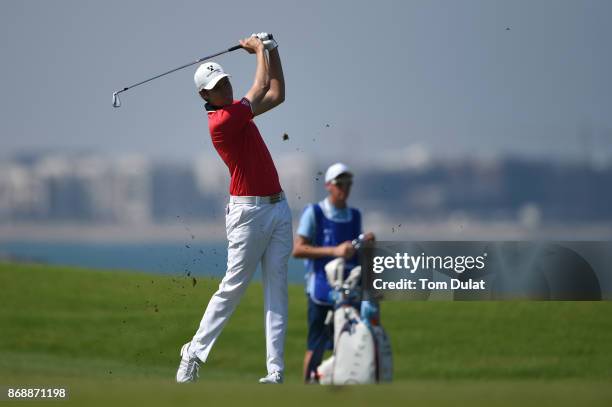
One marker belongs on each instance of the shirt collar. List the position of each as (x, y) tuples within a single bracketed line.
[(211, 108), (329, 206), (331, 212)]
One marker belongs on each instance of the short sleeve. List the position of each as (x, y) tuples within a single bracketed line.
[(231, 120), (307, 226)]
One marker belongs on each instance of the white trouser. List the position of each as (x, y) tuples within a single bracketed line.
[(255, 233)]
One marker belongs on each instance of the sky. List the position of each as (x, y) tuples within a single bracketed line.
[(365, 80)]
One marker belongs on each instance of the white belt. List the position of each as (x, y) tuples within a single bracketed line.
[(258, 200)]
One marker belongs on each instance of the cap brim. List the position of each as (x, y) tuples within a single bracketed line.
[(214, 81), (350, 174)]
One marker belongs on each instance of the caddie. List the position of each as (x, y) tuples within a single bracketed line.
[(325, 231)]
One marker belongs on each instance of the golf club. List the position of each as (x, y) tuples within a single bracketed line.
[(117, 101)]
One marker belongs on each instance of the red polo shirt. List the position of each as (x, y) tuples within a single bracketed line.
[(239, 144)]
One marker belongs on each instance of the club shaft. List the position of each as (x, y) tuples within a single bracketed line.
[(180, 67)]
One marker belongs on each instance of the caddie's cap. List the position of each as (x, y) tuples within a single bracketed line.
[(335, 170)]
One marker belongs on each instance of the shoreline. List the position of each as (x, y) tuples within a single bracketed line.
[(214, 231)]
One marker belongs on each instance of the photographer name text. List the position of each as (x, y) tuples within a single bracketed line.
[(404, 262)]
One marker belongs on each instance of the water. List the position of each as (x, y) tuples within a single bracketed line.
[(198, 259)]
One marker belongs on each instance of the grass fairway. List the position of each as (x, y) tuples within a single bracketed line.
[(114, 337)]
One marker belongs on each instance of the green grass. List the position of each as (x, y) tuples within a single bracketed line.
[(113, 336)]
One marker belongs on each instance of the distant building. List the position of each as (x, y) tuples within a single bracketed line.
[(22, 194), (135, 190), (299, 178), (132, 190)]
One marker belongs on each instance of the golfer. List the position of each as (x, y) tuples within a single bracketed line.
[(325, 232), (258, 220)]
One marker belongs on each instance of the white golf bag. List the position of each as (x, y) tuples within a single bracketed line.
[(362, 350)]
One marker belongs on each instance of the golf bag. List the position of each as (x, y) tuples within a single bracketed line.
[(362, 350)]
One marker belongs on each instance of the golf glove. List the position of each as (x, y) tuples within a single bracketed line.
[(269, 43)]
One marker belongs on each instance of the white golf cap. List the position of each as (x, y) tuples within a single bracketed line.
[(207, 75), (336, 170)]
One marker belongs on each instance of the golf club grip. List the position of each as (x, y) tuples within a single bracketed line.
[(235, 47)]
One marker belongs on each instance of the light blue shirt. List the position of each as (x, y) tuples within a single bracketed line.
[(308, 225), (308, 229)]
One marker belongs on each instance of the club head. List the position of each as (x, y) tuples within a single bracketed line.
[(116, 100)]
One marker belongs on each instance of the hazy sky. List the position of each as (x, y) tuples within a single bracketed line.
[(484, 77)]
